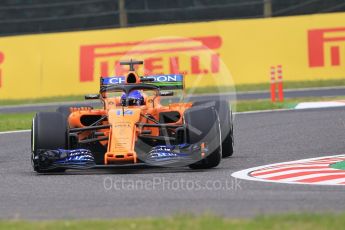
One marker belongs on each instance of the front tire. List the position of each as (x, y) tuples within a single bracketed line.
[(203, 126), (226, 120), (49, 131)]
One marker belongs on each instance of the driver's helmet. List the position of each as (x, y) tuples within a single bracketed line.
[(135, 97)]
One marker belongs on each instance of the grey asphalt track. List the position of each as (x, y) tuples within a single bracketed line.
[(261, 138), (292, 93)]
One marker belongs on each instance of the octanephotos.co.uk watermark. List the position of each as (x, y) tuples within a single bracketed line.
[(164, 184)]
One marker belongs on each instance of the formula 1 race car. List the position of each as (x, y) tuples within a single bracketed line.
[(133, 127)]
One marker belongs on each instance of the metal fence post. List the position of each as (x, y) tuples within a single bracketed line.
[(267, 8), (122, 14)]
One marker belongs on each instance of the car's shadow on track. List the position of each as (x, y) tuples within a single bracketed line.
[(129, 170)]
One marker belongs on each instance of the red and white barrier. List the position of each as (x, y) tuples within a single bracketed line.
[(280, 83), (273, 84), (277, 83)]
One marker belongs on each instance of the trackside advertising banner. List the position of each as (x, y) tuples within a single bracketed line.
[(207, 54)]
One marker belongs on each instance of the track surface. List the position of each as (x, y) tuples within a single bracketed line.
[(289, 93), (262, 138)]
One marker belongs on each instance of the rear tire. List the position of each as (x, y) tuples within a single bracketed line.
[(49, 131), (209, 132), (226, 121)]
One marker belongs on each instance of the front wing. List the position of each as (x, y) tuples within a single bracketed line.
[(163, 155)]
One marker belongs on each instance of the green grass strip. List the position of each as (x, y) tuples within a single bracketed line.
[(338, 165), (15, 121), (181, 222), (42, 100), (238, 88)]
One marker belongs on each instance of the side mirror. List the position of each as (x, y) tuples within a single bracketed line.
[(166, 93), (92, 96)]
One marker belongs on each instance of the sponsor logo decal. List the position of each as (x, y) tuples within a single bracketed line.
[(315, 171), (122, 125), (167, 78), (126, 112), (2, 59), (324, 43), (160, 55), (157, 78), (113, 80)]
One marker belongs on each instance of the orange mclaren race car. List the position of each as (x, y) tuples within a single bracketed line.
[(137, 124)]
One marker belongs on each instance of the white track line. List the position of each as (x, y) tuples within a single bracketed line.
[(16, 131), (282, 110), (333, 181), (263, 111)]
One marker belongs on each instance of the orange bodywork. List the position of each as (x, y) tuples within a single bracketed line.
[(120, 138)]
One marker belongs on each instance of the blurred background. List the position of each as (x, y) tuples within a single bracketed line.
[(68, 44), (42, 16)]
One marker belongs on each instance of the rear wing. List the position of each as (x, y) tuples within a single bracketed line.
[(164, 82)]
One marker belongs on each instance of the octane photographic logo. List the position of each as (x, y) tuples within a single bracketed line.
[(197, 59), (329, 40)]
